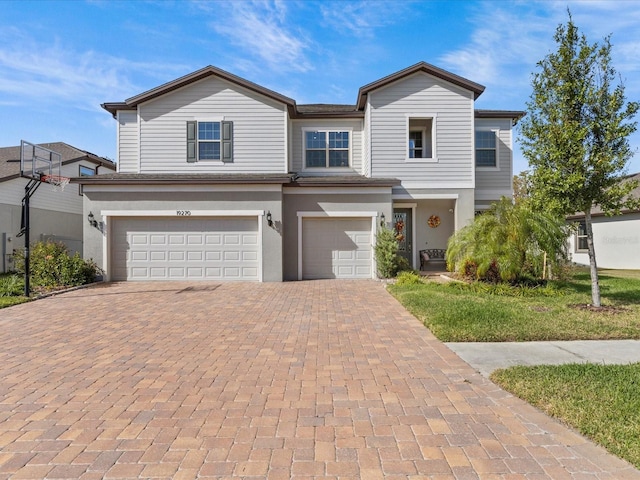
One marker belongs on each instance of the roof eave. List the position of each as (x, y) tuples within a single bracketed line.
[(427, 68), (204, 73), (97, 180)]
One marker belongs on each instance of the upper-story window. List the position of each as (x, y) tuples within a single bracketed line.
[(326, 149), (84, 171), (486, 149), (209, 140), (420, 136)]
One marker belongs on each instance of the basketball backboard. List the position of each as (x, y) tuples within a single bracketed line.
[(37, 162)]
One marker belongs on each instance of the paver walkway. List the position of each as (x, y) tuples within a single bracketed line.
[(323, 379)]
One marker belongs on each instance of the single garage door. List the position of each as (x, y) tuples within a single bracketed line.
[(192, 248), (336, 248)]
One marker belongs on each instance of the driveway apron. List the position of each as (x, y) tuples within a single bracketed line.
[(319, 379)]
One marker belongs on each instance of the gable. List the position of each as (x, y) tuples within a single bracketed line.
[(424, 68)]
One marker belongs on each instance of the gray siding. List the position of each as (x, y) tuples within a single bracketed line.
[(259, 129), (421, 94), (494, 182), (127, 142), (297, 141)]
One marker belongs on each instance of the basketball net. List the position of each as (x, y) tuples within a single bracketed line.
[(58, 182)]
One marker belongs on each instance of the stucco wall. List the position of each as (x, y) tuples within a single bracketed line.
[(294, 203), (228, 201), (616, 240), (62, 226)]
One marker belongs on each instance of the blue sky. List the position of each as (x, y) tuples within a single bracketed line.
[(59, 60)]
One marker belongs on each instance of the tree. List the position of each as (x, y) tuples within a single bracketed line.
[(509, 241), (521, 186), (575, 134)]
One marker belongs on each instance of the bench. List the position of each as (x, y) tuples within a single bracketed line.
[(431, 255)]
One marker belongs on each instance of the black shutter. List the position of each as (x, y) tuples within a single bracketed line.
[(192, 142), (227, 141)]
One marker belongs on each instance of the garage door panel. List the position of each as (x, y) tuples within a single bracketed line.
[(336, 248), (184, 248)]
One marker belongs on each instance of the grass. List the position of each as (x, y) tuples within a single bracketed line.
[(601, 401), (11, 290), (458, 313)]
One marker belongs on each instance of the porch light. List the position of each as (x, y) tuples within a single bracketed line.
[(269, 220), (382, 219)]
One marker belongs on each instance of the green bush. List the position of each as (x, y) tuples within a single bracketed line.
[(386, 251), (50, 265), (387, 259), (408, 277), (11, 285)]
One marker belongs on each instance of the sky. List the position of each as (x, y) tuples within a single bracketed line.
[(59, 60)]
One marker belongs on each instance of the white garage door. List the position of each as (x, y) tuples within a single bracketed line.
[(169, 248), (336, 248)]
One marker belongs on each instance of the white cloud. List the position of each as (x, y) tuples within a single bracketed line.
[(363, 17), (51, 73), (260, 29)]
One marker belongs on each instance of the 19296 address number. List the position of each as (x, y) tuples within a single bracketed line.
[(183, 213)]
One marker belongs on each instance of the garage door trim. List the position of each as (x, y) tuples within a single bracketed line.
[(348, 214), (106, 227)]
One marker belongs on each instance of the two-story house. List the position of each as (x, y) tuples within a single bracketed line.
[(222, 179)]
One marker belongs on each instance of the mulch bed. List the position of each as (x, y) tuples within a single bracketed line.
[(606, 309)]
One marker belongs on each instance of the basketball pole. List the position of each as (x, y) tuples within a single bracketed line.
[(29, 190)]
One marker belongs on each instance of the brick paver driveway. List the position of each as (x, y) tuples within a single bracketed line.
[(324, 379)]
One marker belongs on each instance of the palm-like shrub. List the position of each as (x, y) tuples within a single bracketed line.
[(508, 242)]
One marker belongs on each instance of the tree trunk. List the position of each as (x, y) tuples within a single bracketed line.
[(595, 286)]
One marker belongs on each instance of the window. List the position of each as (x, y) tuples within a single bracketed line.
[(85, 172), (326, 149), (581, 237), (486, 151), (421, 138), (209, 141)]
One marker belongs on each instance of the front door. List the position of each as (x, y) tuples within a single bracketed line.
[(404, 233)]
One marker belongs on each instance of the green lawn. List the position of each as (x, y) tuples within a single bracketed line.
[(11, 290), (457, 313), (601, 401)]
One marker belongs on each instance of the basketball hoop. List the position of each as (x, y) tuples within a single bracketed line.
[(58, 182)]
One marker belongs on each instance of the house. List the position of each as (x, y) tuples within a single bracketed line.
[(616, 238), (55, 215), (220, 178)]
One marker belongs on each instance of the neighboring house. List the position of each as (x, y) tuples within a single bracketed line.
[(54, 215), (219, 178), (616, 238)]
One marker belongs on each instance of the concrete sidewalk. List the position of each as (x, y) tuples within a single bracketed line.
[(489, 356)]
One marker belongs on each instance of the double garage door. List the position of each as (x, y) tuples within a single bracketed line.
[(185, 248)]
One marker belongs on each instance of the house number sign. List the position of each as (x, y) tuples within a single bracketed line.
[(183, 213)]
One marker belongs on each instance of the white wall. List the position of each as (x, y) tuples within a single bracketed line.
[(297, 142), (616, 240), (127, 142), (423, 95), (259, 129), (492, 183), (45, 198)]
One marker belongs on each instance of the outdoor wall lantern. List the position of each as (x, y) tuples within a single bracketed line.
[(269, 219), (382, 219)]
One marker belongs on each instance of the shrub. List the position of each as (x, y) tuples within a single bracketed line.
[(11, 286), (386, 251), (408, 278), (50, 265)]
